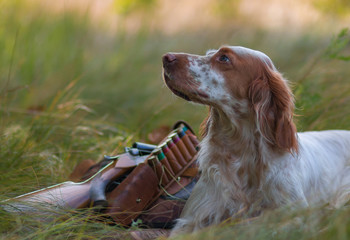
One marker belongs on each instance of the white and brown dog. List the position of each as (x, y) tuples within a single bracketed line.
[(251, 156)]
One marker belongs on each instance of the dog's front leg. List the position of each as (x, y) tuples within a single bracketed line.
[(203, 208), (189, 219)]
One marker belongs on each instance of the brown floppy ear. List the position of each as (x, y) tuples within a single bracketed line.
[(273, 105)]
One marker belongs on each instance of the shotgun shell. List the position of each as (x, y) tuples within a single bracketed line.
[(181, 147), (165, 163), (192, 137), (178, 155), (186, 140), (173, 160), (157, 167)]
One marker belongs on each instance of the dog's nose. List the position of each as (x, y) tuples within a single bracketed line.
[(168, 59)]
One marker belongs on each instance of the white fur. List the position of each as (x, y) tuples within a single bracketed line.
[(204, 75)]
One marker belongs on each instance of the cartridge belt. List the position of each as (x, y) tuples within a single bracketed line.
[(173, 160)]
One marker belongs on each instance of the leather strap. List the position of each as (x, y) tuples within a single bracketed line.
[(190, 172), (178, 123)]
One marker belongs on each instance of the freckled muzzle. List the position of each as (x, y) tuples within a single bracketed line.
[(178, 79)]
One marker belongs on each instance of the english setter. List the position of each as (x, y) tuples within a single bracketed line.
[(251, 156)]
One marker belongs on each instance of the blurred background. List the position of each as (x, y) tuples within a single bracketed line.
[(83, 78)]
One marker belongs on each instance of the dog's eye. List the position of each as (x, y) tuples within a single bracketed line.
[(224, 59)]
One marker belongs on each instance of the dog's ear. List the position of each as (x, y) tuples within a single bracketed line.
[(273, 104)]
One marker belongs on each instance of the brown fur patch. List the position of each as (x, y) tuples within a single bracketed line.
[(273, 103)]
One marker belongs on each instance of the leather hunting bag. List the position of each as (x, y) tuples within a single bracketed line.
[(155, 190)]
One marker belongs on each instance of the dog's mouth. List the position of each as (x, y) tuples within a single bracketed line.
[(174, 90), (180, 94), (188, 91)]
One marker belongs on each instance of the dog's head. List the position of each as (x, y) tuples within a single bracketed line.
[(241, 82)]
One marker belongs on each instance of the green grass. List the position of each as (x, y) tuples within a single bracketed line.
[(70, 91)]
